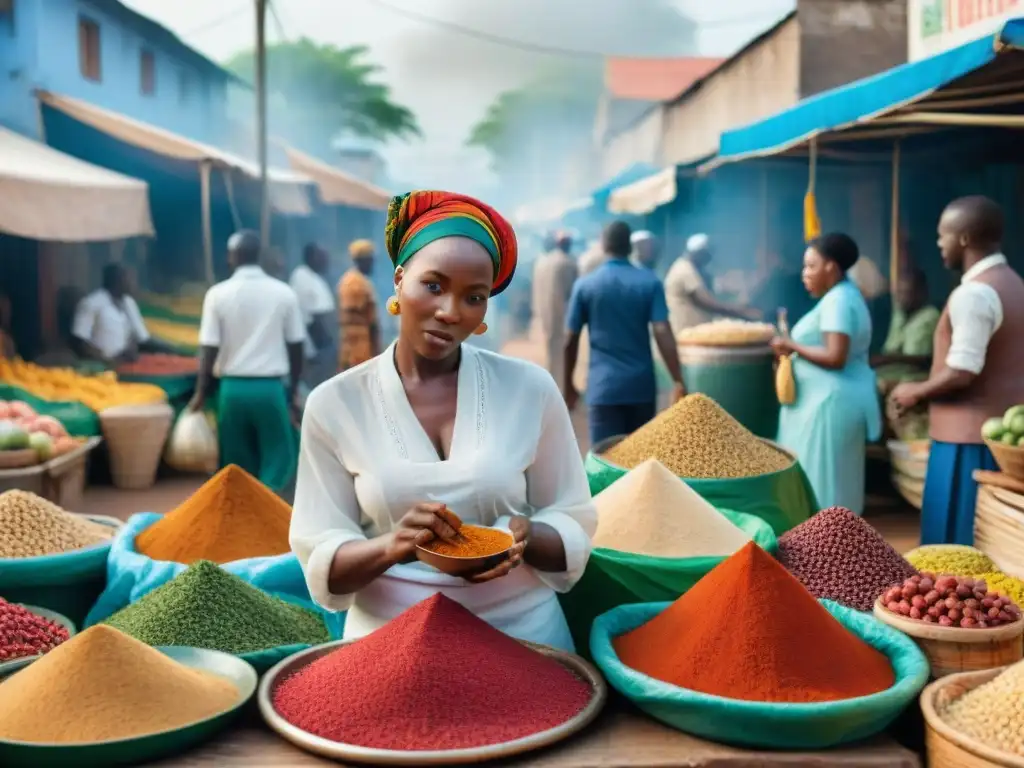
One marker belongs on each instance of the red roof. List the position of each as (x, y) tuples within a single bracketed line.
[(655, 79)]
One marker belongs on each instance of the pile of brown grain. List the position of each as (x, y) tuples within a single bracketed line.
[(697, 438), (31, 526)]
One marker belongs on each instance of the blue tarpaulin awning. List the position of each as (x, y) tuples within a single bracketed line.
[(635, 172), (865, 100)]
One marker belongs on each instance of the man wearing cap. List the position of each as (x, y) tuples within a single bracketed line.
[(553, 276), (690, 301), (646, 249), (357, 309)]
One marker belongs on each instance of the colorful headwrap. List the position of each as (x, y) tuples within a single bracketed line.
[(418, 218), (360, 249)]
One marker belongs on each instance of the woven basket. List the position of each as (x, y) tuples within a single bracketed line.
[(135, 435), (947, 747), (953, 649), (999, 531), (1010, 458), (910, 488), (19, 459)]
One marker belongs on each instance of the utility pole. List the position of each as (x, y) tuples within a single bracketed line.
[(261, 118)]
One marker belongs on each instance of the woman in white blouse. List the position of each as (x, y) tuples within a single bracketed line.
[(433, 423)]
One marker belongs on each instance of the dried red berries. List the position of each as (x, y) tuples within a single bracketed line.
[(838, 556), (23, 633), (950, 601)]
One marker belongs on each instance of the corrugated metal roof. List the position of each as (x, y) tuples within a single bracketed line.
[(654, 79)]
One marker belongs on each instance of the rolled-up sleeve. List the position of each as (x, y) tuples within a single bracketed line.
[(556, 487), (975, 314), (326, 513)]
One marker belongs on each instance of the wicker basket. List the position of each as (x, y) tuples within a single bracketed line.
[(951, 649), (135, 435), (1010, 458), (999, 531), (910, 488), (947, 747)]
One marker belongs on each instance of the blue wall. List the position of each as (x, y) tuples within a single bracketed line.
[(43, 52)]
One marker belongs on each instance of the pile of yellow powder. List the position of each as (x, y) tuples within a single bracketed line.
[(31, 526), (993, 713), (102, 685), (954, 559), (650, 511), (696, 438)]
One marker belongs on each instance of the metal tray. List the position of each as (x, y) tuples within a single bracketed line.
[(10, 667), (370, 756), (142, 749)]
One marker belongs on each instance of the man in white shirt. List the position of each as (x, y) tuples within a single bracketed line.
[(316, 300), (108, 326), (690, 300), (251, 336), (977, 369), (646, 249)]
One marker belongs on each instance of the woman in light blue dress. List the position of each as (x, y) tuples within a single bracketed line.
[(836, 409)]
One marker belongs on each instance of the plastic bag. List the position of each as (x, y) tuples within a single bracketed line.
[(765, 724), (783, 499), (193, 444), (131, 575), (614, 578), (785, 384)]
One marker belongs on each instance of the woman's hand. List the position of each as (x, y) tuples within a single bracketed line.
[(906, 395), (782, 345), (519, 527), (419, 525)]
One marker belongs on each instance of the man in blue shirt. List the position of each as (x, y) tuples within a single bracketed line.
[(618, 302)]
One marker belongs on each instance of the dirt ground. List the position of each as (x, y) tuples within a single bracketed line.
[(898, 522)]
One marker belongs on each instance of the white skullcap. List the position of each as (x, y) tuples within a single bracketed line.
[(640, 236), (697, 243)]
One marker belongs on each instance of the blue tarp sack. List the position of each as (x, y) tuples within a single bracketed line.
[(131, 575), (765, 725)]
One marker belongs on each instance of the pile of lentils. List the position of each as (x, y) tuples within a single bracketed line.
[(992, 713), (23, 633), (838, 556), (207, 607), (696, 438), (954, 559), (950, 601), (31, 526)]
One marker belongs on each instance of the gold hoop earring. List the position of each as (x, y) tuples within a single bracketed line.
[(481, 329), (394, 306)]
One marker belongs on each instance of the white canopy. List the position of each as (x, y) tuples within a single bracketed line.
[(643, 196), (288, 190), (336, 186), (48, 195)]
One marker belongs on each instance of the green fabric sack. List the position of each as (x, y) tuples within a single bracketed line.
[(78, 419), (614, 578), (762, 725), (783, 499), (68, 583)]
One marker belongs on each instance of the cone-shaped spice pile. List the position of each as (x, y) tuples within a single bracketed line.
[(233, 516), (838, 556), (749, 630), (436, 677), (650, 511)]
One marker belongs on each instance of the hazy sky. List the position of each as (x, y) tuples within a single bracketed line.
[(446, 78)]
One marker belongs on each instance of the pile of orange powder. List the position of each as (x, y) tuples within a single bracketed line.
[(233, 516), (770, 639)]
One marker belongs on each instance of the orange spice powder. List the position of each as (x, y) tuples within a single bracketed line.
[(476, 542)]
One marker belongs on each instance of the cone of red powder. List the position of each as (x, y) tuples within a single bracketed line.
[(434, 678)]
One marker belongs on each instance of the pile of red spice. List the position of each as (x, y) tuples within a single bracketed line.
[(434, 678), (23, 633), (749, 630)]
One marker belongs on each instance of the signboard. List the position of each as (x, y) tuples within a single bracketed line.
[(938, 25)]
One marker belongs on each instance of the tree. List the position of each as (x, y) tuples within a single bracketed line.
[(327, 90)]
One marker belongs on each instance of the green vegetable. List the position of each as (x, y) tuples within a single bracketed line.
[(207, 607), (42, 444), (1016, 410), (1020, 442), (1016, 425), (1008, 439), (993, 429)]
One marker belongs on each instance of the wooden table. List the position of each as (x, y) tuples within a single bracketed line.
[(619, 739)]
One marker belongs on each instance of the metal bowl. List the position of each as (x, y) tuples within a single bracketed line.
[(371, 756), (142, 749), (462, 566), (10, 667)]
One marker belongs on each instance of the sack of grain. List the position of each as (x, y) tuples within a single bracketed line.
[(193, 445)]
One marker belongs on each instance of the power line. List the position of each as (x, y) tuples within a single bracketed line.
[(272, 7), (524, 45), (220, 20)]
